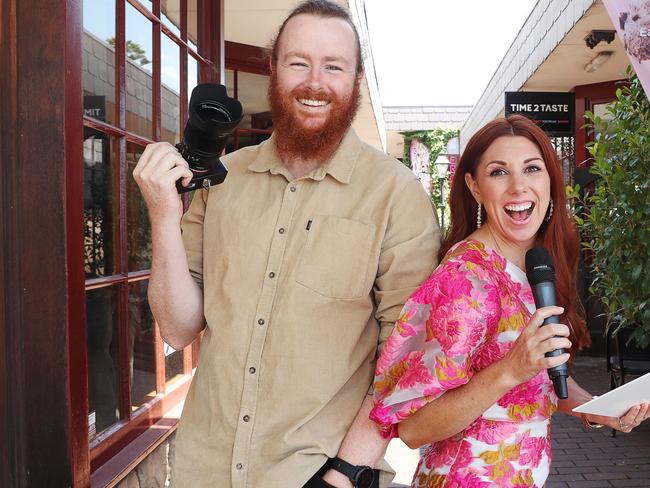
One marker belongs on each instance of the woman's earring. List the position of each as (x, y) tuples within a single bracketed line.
[(478, 216), (550, 211)]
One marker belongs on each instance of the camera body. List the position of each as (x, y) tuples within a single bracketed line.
[(213, 116)]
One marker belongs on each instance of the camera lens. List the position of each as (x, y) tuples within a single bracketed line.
[(213, 116), (213, 112)]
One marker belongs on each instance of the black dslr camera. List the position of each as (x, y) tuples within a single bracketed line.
[(213, 116)]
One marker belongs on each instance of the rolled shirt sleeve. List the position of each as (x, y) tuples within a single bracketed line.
[(408, 255)]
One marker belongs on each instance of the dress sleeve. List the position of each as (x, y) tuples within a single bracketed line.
[(431, 347)]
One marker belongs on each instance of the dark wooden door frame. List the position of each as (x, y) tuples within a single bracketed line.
[(43, 363), (212, 43), (586, 97), (42, 328)]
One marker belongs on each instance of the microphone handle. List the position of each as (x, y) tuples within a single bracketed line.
[(545, 297)]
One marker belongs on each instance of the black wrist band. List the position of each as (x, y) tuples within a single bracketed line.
[(360, 476)]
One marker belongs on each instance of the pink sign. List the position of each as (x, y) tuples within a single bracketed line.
[(419, 157), (632, 21), (453, 161), (420, 162)]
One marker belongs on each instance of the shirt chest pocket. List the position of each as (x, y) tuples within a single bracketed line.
[(334, 261)]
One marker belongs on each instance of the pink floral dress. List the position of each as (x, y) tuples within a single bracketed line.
[(463, 318)]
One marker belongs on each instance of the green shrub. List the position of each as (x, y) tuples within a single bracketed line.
[(617, 225)]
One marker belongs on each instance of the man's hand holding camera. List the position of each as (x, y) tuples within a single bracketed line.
[(156, 173)]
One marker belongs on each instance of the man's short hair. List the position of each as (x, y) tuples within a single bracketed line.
[(319, 8)]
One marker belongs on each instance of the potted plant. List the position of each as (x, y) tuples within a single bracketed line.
[(616, 226)]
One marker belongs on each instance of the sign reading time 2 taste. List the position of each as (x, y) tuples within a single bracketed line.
[(552, 111)]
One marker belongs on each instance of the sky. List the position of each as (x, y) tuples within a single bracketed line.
[(426, 52), (435, 52)]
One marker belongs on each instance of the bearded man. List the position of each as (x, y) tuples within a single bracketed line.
[(296, 269)]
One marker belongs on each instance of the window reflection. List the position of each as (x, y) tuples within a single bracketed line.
[(137, 226), (98, 60), (103, 363), (138, 72), (173, 362), (170, 76), (100, 222), (192, 23), (142, 338), (600, 110), (170, 15), (192, 74), (251, 92)]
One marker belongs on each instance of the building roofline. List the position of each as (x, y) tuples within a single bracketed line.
[(550, 20)]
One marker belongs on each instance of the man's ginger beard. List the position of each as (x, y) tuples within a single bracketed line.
[(295, 140)]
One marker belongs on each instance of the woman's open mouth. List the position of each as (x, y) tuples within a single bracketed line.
[(520, 212)]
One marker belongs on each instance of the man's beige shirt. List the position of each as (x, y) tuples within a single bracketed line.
[(302, 279)]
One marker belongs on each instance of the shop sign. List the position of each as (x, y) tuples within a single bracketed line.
[(95, 107), (552, 111), (632, 21)]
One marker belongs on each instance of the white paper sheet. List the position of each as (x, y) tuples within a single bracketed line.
[(616, 402)]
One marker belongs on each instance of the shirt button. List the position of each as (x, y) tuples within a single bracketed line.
[(271, 274), (239, 466), (293, 188), (246, 418), (252, 370), (260, 321), (281, 230)]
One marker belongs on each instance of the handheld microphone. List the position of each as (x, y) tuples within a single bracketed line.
[(541, 276)]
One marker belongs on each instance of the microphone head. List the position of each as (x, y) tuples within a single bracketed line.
[(539, 266)]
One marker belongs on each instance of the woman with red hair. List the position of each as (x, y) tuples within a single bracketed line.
[(464, 371)]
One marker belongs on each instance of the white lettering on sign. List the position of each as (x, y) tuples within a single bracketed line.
[(538, 107), (92, 112)]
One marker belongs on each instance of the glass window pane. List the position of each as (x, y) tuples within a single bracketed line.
[(170, 15), (170, 90), (192, 75), (600, 110), (100, 205), (252, 93), (103, 362), (192, 24), (138, 72), (137, 226), (147, 4), (142, 337), (98, 60), (230, 81), (173, 362)]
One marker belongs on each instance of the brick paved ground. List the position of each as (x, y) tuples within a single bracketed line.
[(593, 458), (581, 457)]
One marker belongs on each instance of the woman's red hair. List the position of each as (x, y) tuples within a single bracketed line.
[(559, 235)]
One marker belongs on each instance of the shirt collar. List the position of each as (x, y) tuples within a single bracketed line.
[(340, 166)]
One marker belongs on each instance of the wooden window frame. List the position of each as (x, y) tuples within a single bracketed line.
[(43, 345), (116, 450)]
